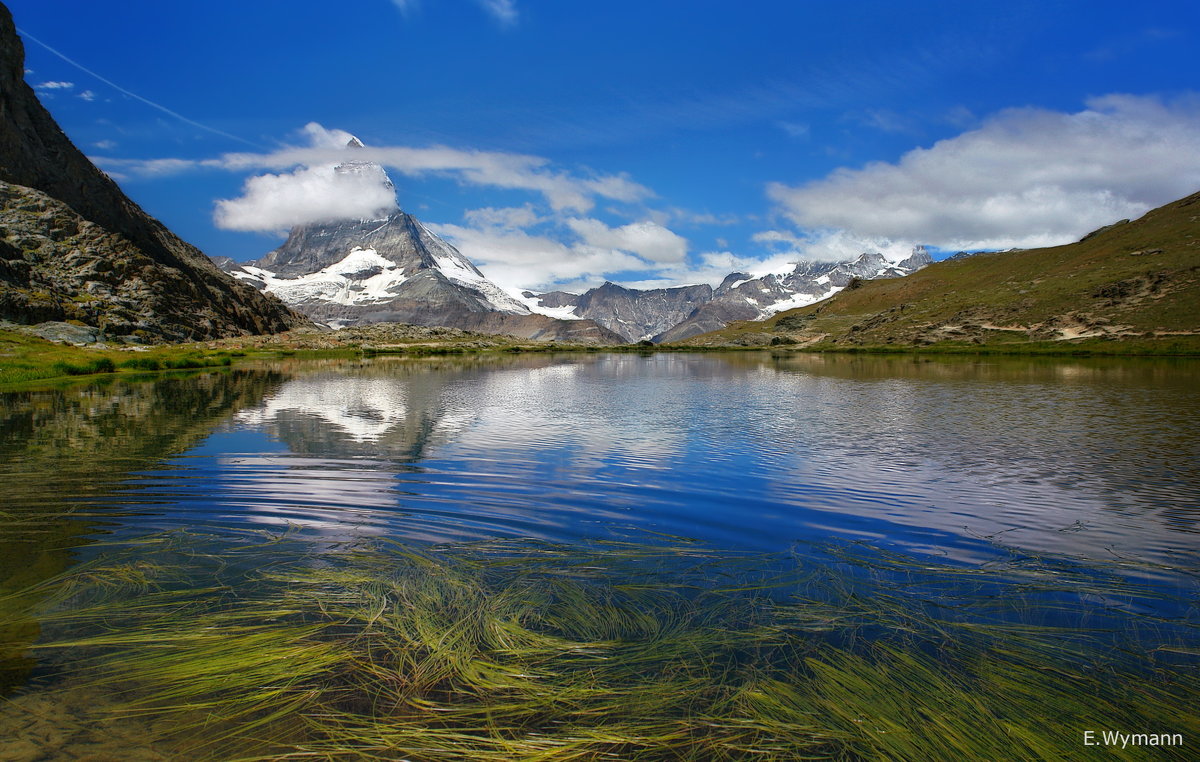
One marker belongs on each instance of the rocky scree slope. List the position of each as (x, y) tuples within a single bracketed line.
[(74, 247)]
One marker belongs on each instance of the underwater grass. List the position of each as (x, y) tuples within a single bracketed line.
[(524, 650)]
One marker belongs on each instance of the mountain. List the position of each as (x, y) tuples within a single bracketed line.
[(74, 247), (674, 314), (634, 314), (393, 269), (1128, 283)]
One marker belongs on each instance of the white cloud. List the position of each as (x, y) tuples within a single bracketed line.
[(499, 243), (503, 11), (827, 246), (139, 167), (646, 239), (105, 145), (274, 203), (713, 266), (88, 96), (506, 218), (54, 86), (561, 189), (797, 130), (778, 237), (515, 259), (324, 138), (1026, 177)]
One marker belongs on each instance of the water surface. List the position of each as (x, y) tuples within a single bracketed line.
[(1080, 458), (966, 462)]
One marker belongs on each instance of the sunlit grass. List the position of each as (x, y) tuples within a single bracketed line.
[(25, 358), (524, 650)]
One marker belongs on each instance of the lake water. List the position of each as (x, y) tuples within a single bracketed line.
[(963, 462)]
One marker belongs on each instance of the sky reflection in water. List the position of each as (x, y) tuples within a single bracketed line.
[(1078, 458)]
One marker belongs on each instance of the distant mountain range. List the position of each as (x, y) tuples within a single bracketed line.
[(74, 248), (1129, 283), (673, 314), (393, 269)]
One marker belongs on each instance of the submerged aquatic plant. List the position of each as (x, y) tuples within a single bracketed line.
[(523, 650)]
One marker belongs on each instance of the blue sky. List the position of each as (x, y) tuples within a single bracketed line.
[(559, 144)]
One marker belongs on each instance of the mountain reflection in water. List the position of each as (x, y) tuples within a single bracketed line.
[(1079, 458)]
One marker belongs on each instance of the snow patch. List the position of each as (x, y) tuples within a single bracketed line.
[(335, 282), (534, 305), (798, 300)]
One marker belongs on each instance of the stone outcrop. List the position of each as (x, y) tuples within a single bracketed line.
[(73, 246)]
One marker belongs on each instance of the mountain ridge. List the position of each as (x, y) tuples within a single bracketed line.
[(75, 247), (679, 312)]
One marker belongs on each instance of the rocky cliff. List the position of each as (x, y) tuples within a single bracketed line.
[(73, 246)]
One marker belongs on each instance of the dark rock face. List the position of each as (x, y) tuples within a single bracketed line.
[(57, 266), (75, 247), (634, 314), (708, 317)]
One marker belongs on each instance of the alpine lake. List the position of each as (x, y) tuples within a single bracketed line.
[(653, 556)]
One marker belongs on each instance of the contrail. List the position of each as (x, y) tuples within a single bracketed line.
[(147, 101)]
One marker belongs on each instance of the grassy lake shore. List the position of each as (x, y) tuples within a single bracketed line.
[(26, 359)]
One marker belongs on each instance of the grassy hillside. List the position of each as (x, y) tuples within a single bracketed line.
[(1133, 286)]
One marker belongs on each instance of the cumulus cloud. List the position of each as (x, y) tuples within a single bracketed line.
[(647, 239), (572, 253), (88, 96), (54, 86), (505, 218), (711, 267), (516, 259), (274, 203), (1026, 177), (828, 246)]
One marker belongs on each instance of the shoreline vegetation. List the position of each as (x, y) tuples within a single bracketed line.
[(25, 358)]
